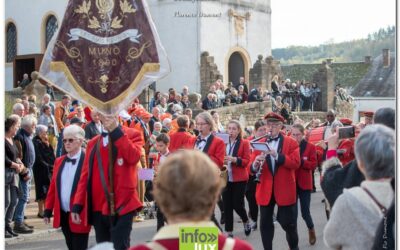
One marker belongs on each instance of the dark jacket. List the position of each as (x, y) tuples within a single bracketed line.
[(336, 178), (91, 131), (254, 96), (43, 167), (25, 148)]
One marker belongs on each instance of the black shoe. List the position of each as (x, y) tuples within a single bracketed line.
[(247, 228), (7, 235), (25, 217), (22, 229), (10, 231), (40, 216), (28, 226)]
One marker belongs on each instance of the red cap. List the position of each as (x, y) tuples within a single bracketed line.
[(368, 114), (346, 121), (274, 117)]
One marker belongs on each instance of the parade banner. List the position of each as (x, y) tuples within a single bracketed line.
[(105, 53)]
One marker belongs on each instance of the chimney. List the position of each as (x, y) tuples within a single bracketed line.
[(367, 60), (386, 57)]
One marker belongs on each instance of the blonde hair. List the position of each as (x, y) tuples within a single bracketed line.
[(237, 123), (208, 119), (187, 186)]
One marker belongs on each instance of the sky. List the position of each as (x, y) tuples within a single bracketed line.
[(314, 22)]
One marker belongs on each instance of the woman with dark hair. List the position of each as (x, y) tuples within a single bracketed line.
[(43, 166), (13, 166), (155, 100), (237, 158)]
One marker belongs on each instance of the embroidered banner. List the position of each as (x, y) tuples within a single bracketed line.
[(105, 53)]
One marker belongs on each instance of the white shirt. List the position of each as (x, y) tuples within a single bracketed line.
[(99, 126), (229, 151), (274, 145), (67, 180), (200, 146)]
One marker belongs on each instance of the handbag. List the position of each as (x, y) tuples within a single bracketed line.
[(9, 176), (224, 176)]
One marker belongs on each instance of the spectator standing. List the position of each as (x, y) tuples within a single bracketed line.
[(94, 127), (27, 155), (43, 167), (48, 120), (13, 166), (60, 114)]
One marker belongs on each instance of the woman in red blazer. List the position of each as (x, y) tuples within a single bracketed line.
[(237, 158), (308, 162), (66, 174)]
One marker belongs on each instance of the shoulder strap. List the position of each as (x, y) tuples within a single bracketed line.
[(229, 244), (381, 207), (303, 145), (155, 246), (101, 170)]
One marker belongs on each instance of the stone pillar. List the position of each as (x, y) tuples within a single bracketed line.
[(325, 78), (273, 68), (208, 73), (367, 60), (258, 74), (386, 57)]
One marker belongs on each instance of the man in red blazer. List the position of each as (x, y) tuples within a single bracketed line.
[(304, 180), (62, 190), (181, 139), (95, 179), (277, 182)]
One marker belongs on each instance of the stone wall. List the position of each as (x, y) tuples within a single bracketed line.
[(263, 71), (209, 73)]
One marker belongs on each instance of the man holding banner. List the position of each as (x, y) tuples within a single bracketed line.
[(105, 54)]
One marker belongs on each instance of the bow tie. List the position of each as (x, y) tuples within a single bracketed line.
[(273, 139), (104, 134), (73, 161), (199, 140)]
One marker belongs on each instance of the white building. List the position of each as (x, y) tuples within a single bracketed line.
[(234, 32)]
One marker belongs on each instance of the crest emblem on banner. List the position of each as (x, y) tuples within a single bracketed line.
[(105, 53)]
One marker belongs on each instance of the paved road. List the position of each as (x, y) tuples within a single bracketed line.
[(144, 231)]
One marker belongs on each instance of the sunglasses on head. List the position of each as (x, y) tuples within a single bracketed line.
[(70, 140)]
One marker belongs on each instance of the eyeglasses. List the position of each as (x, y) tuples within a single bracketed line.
[(70, 140)]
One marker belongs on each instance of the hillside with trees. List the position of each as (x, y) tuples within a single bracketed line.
[(350, 51)]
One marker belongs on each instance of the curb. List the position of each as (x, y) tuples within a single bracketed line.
[(25, 237)]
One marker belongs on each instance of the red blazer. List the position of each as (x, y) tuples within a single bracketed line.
[(180, 140), (53, 202), (215, 149), (308, 162), (126, 155), (345, 151), (283, 183), (241, 150)]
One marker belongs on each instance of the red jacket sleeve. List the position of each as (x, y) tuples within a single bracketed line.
[(129, 151), (50, 198), (219, 155), (290, 159), (244, 159), (311, 162)]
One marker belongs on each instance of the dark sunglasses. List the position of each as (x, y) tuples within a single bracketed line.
[(71, 140)]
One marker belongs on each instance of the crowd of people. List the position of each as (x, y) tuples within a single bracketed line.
[(72, 151)]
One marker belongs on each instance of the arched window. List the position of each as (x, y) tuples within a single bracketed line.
[(11, 42), (51, 28)]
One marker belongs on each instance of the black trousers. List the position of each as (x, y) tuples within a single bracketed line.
[(286, 218), (251, 198), (160, 217), (233, 198), (75, 241), (118, 234)]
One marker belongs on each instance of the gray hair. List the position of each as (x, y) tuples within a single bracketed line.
[(41, 129), (208, 119), (166, 121), (18, 106), (158, 124), (28, 121), (74, 131), (46, 95), (375, 150)]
